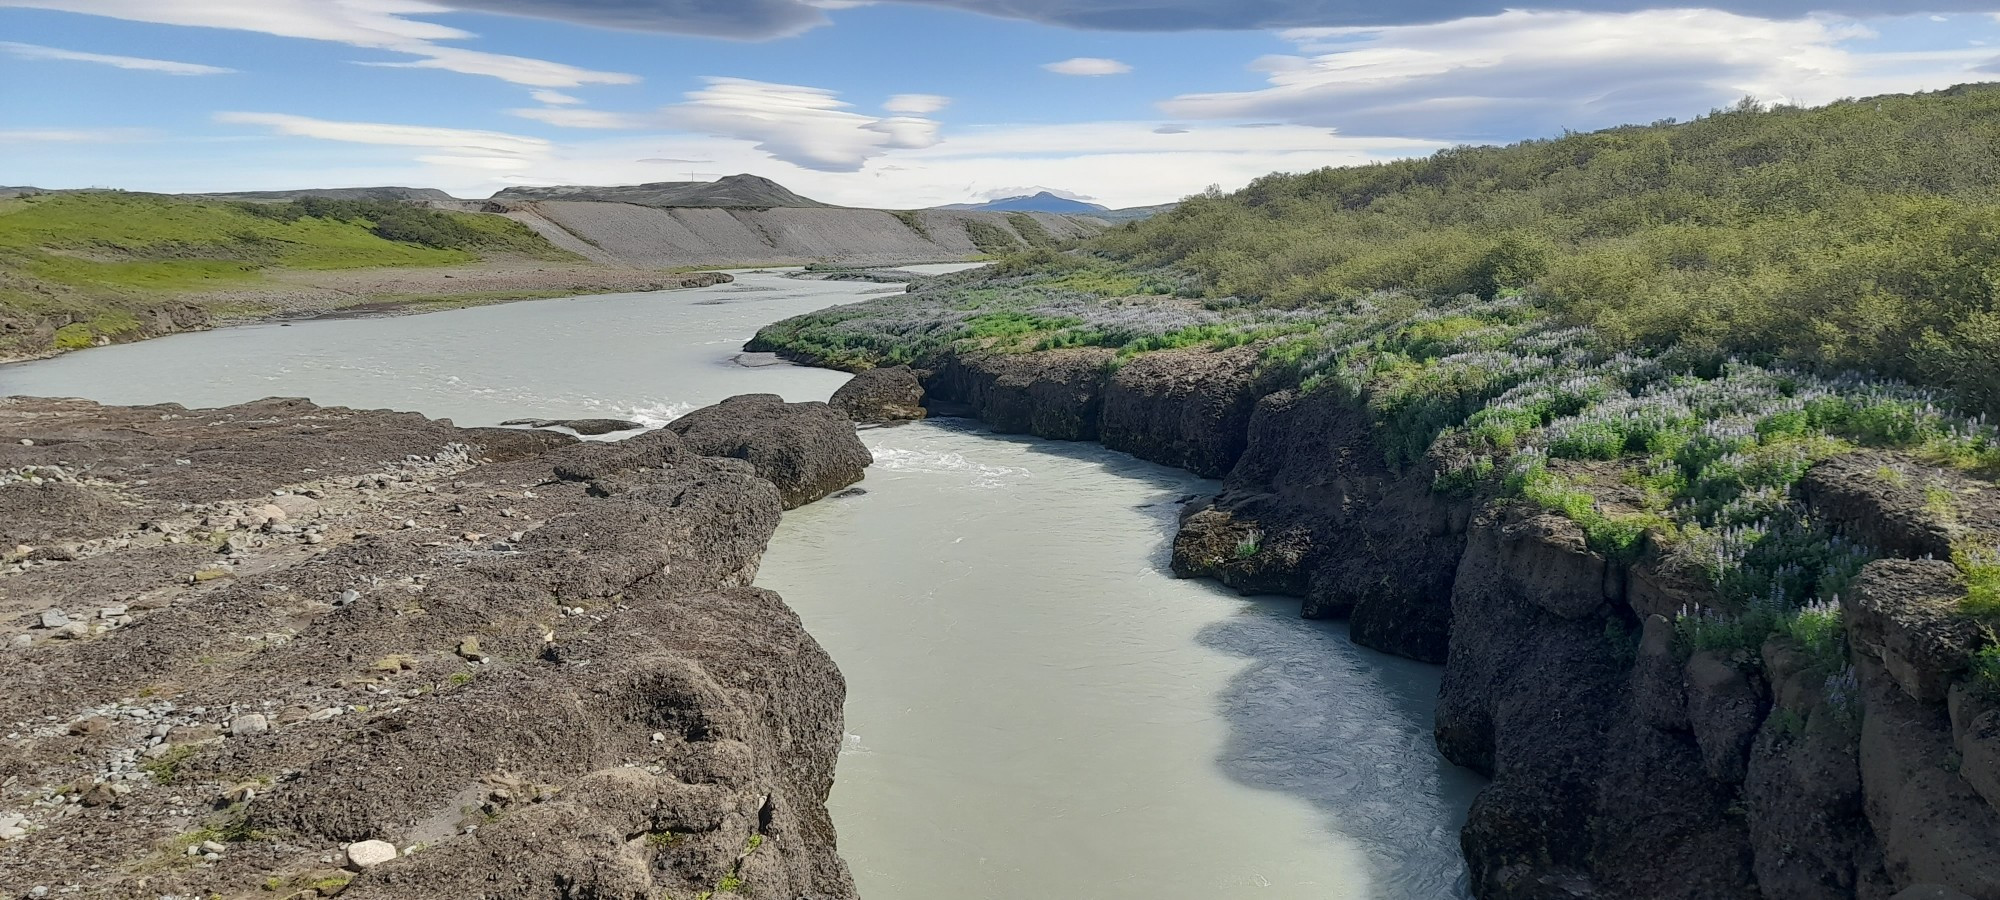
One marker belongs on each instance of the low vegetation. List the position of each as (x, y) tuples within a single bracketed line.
[(105, 260), (1653, 331)]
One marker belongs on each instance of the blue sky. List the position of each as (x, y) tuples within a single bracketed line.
[(899, 103)]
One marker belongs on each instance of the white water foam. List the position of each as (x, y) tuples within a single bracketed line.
[(657, 415), (987, 476)]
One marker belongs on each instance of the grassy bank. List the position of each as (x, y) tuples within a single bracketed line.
[(1654, 331), (76, 268)]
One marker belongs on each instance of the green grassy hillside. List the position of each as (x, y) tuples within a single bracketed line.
[(100, 260), (1860, 235)]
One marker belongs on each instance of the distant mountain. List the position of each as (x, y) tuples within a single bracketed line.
[(357, 193), (734, 191), (6, 192), (1042, 202)]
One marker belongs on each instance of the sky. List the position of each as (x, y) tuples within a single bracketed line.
[(897, 103)]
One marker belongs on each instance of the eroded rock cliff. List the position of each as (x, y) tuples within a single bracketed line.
[(1626, 762)]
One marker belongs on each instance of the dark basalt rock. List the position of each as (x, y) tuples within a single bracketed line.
[(1905, 613), (543, 615), (1189, 409), (806, 449), (876, 396), (1361, 540), (1055, 394), (1896, 505), (588, 427)]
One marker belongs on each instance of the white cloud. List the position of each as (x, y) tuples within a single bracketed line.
[(1521, 74), (554, 98), (1088, 65), (806, 126), (493, 150), (571, 117), (916, 104), (810, 127), (373, 24), (515, 69), (764, 19), (363, 23), (36, 51), (67, 135)]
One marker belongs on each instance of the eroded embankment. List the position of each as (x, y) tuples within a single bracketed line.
[(302, 294), (1623, 765), (291, 651)]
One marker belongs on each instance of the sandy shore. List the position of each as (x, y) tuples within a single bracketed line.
[(307, 294)]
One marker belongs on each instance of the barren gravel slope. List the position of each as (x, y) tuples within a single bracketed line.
[(666, 238)]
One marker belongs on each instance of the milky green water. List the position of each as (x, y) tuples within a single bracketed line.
[(1035, 708)]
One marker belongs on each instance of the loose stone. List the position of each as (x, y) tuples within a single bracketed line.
[(244, 726), (369, 854)]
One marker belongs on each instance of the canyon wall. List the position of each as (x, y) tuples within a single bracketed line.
[(1624, 765)]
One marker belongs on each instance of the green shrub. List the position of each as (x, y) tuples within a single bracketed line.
[(1865, 244), (1817, 628), (991, 239), (1986, 670), (1980, 565)]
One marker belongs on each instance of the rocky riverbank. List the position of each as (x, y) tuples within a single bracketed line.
[(1625, 761), (281, 650)]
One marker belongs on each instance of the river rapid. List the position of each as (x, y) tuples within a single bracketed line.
[(1035, 707)]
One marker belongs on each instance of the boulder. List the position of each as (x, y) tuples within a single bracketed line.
[(1239, 552), (806, 449), (1725, 704), (1905, 613), (296, 507), (890, 394), (369, 854)]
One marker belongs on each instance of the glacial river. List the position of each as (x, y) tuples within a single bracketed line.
[(1035, 708)]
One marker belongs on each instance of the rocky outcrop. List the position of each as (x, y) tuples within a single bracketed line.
[(1620, 771), (1352, 536), (1189, 409), (586, 427), (806, 449), (1904, 613), (880, 395), (1055, 394), (280, 639), (1901, 506)]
